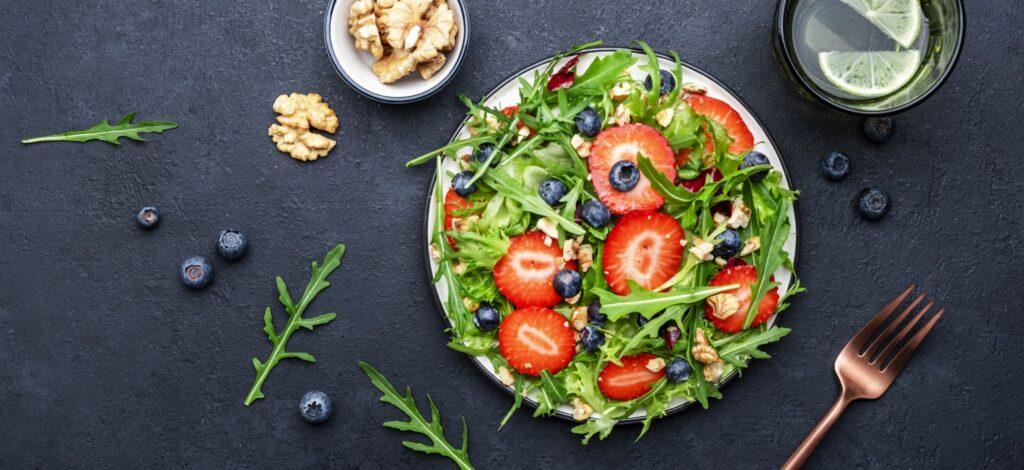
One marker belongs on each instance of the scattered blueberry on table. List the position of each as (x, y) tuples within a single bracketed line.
[(567, 283), (147, 217), (196, 272), (624, 176), (483, 152), (668, 82), (727, 244), (873, 203), (835, 166), (552, 191), (315, 407), (878, 129), (678, 370), (591, 338), (588, 122), (462, 185), (755, 158), (232, 244), (486, 317), (595, 214)]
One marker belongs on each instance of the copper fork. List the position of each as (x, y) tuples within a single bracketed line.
[(869, 363)]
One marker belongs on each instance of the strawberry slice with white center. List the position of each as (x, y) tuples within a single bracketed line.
[(631, 380), (536, 339), (524, 275), (720, 112), (643, 247), (729, 313), (624, 142)]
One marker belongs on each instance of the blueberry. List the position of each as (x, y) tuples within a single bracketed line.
[(624, 175), (594, 315), (728, 245), (835, 165), (588, 122), (678, 370), (231, 244), (873, 203), (462, 185), (196, 272), (668, 82), (591, 338), (595, 214), (879, 129), (483, 153), (486, 317), (552, 191), (315, 407), (147, 217), (567, 283), (755, 158)]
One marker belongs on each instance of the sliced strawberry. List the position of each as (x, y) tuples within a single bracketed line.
[(623, 143), (695, 184), (525, 273), (630, 380), (720, 112), (536, 339), (709, 148), (452, 203), (510, 111), (746, 276), (642, 247), (565, 75)]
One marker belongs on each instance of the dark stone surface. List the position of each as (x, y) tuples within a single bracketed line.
[(107, 361)]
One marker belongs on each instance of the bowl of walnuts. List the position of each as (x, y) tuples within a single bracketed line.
[(396, 51)]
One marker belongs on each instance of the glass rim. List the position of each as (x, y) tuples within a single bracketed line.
[(805, 84)]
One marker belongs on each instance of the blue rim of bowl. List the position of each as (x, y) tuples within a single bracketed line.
[(388, 99), (788, 61), (427, 229)]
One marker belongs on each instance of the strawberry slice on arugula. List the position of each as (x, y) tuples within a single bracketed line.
[(624, 142), (534, 339), (453, 203), (723, 114), (632, 379), (643, 247), (525, 274), (728, 310)]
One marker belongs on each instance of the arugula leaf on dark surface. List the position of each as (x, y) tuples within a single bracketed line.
[(107, 132), (317, 283), (431, 429)]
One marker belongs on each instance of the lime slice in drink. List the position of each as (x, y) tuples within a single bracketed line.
[(898, 19), (869, 74)]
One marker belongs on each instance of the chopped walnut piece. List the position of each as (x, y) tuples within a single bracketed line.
[(713, 371), (664, 117), (693, 88), (574, 299), (751, 245), (702, 249), (740, 214), (435, 252), (620, 116), (470, 304), (655, 365), (580, 409), (579, 318), (585, 257), (505, 376), (460, 268), (702, 349), (621, 91), (581, 145), (723, 305), (569, 249), (549, 227), (719, 218)]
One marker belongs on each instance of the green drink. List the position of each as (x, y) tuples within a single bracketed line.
[(868, 56)]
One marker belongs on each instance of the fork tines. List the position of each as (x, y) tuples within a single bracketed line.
[(887, 348)]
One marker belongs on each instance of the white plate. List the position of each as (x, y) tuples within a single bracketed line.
[(507, 94)]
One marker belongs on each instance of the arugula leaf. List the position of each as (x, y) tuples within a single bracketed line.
[(769, 257), (481, 250), (737, 352), (601, 427), (432, 429), (648, 303), (530, 202), (602, 73), (552, 394), (317, 283), (109, 133)]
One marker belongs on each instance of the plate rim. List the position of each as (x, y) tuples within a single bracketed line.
[(426, 233)]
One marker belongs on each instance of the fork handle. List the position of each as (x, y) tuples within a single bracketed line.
[(811, 441)]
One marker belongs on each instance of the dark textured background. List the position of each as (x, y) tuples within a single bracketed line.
[(107, 361)]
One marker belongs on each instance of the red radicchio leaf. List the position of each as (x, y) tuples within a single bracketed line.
[(565, 75)]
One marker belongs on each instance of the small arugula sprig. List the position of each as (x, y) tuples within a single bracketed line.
[(317, 283), (109, 133), (432, 429)]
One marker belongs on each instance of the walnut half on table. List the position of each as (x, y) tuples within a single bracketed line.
[(297, 114), (403, 35)]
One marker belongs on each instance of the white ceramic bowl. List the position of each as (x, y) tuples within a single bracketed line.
[(354, 65)]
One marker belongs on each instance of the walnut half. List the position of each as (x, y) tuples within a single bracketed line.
[(297, 114)]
